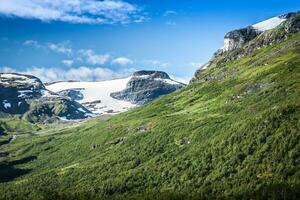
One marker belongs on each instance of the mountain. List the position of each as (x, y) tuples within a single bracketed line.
[(115, 96), (237, 38), (232, 133), (145, 86), (26, 96), (241, 42)]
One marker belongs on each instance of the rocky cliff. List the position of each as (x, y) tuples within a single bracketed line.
[(237, 38), (241, 42), (145, 86)]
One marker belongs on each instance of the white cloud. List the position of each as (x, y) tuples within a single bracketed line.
[(122, 61), (82, 73), (92, 58), (56, 47), (59, 48), (169, 13), (32, 43), (84, 56), (67, 62), (6, 69), (72, 11)]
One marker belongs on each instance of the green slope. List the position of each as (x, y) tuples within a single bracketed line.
[(234, 136)]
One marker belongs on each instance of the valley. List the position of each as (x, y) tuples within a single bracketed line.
[(232, 133)]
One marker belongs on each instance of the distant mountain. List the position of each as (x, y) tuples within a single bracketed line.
[(115, 96), (95, 96), (27, 96), (145, 86)]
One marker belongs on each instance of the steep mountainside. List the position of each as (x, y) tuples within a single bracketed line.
[(237, 38), (244, 41), (26, 96), (233, 133)]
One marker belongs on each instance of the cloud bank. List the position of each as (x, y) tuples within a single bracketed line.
[(87, 56), (79, 74), (73, 11), (92, 58)]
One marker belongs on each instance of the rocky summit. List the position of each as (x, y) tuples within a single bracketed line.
[(145, 86), (241, 42), (237, 38), (26, 96)]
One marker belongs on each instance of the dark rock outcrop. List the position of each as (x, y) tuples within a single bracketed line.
[(235, 39), (145, 86), (26, 96)]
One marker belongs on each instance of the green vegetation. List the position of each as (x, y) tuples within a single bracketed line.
[(16, 125), (234, 136)]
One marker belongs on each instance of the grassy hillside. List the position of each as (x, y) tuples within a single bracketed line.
[(235, 135)]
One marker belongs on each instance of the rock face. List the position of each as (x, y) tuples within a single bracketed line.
[(241, 42), (27, 96), (235, 39), (145, 86)]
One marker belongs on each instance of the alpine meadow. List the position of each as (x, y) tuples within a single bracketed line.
[(232, 132)]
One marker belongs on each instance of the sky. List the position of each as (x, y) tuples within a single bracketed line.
[(90, 40)]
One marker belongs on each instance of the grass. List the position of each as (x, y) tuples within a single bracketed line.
[(243, 142)]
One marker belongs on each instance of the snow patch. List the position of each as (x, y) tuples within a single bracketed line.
[(268, 24), (19, 78), (142, 76), (23, 93), (81, 110), (47, 93), (6, 104), (63, 119), (93, 91)]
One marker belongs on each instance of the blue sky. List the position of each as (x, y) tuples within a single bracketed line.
[(98, 40)]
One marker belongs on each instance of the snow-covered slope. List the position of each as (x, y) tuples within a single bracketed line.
[(96, 95), (269, 24)]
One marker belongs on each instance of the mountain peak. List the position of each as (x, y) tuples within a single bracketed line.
[(145, 86), (152, 74), (20, 80), (236, 38), (241, 42)]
